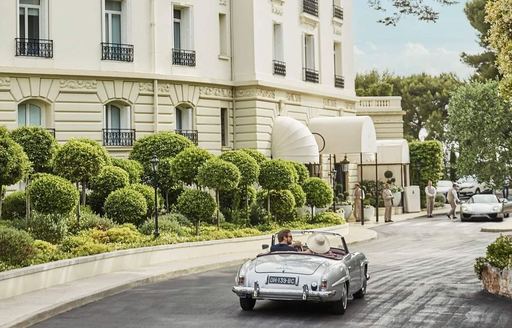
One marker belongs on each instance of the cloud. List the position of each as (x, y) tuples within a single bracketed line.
[(410, 58)]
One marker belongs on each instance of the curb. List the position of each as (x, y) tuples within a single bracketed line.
[(497, 229), (54, 310)]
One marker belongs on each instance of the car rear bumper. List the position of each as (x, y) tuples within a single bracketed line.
[(284, 294)]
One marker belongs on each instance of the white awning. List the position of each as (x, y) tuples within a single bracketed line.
[(292, 140), (393, 151), (344, 135)]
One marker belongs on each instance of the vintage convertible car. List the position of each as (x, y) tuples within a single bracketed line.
[(333, 277)]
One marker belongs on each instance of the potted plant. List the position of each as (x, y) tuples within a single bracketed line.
[(346, 205), (369, 210), (397, 194)]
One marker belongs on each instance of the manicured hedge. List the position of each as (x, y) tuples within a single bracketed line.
[(16, 245), (133, 168), (14, 206), (186, 164), (318, 192), (248, 167), (277, 175), (53, 195), (39, 145), (198, 206), (126, 206)]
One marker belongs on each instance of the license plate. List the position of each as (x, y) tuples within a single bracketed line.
[(282, 280)]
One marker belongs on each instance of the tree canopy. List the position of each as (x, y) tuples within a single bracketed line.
[(394, 10)]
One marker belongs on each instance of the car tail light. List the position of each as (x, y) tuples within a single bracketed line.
[(323, 284), (241, 280)]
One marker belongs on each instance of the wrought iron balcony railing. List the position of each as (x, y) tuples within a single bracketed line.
[(311, 75), (279, 68), (117, 52), (118, 137), (183, 57), (339, 81), (337, 11), (310, 7), (34, 47), (192, 135)]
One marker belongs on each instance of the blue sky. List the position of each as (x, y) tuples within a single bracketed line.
[(413, 46)]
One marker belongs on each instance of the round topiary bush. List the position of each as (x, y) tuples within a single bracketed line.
[(248, 167), (318, 192), (111, 178), (105, 156), (14, 206), (133, 168), (256, 155), (48, 227), (282, 205), (16, 245), (302, 172), (299, 195), (39, 145), (126, 206), (186, 164), (277, 175), (197, 206), (53, 195), (219, 175), (149, 194), (328, 218)]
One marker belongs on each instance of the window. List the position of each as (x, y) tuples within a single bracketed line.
[(182, 53), (339, 80), (177, 28), (113, 14), (309, 51), (224, 126), (223, 35), (30, 22), (117, 130), (30, 114), (183, 118), (278, 42)]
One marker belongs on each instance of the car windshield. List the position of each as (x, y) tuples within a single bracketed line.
[(467, 180), (335, 240), (444, 183), (486, 199)]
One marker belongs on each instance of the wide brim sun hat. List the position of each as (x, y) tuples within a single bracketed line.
[(318, 243)]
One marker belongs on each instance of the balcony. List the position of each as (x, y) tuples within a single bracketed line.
[(310, 7), (337, 12), (311, 75), (118, 137), (191, 135), (279, 68), (183, 57), (379, 104), (34, 48), (117, 52), (339, 81)]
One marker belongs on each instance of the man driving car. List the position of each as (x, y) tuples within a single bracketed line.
[(285, 239)]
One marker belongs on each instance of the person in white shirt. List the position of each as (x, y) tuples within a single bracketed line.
[(430, 193), (453, 199)]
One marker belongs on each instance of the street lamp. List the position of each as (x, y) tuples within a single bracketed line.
[(154, 167), (345, 166), (333, 174)]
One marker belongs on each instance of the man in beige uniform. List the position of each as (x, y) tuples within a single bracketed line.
[(430, 193), (453, 199), (358, 201), (387, 196)]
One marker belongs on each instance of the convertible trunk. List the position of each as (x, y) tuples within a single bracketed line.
[(289, 263)]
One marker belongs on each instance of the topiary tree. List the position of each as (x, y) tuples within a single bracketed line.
[(282, 203), (110, 178), (166, 180), (14, 165), (79, 161), (149, 194), (53, 195), (302, 172), (133, 168), (277, 174), (102, 150), (197, 206), (15, 206), (219, 175), (186, 164), (162, 144), (256, 155), (39, 145), (299, 195), (318, 193), (126, 206), (16, 245)]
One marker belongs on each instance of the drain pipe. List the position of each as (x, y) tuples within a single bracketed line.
[(233, 89), (153, 63)]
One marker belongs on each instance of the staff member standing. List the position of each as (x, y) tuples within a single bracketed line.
[(453, 199), (358, 201), (430, 193), (387, 196)]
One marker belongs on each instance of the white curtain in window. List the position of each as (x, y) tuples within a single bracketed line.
[(29, 114)]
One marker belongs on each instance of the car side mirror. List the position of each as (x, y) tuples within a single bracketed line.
[(264, 246), (503, 200)]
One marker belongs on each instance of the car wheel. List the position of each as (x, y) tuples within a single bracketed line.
[(339, 307), (247, 304), (360, 293)]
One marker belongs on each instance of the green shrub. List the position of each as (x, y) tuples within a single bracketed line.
[(186, 164), (14, 164), (299, 195), (16, 245), (133, 168), (236, 199), (53, 195), (499, 253), (369, 189), (428, 157), (318, 192), (125, 234), (328, 218), (5, 266), (219, 175), (479, 266), (168, 223), (167, 183), (197, 206), (126, 206), (83, 245), (105, 156), (111, 178), (88, 220), (46, 252), (256, 155), (258, 214), (248, 167), (39, 145), (149, 194), (14, 206), (302, 172), (48, 227), (277, 175), (282, 204)]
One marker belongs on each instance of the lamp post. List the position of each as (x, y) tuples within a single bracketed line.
[(345, 165), (333, 173), (154, 167)]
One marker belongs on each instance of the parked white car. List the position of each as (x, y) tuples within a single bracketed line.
[(469, 186), (442, 188)]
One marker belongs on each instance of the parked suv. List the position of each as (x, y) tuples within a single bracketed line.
[(442, 187), (468, 186)]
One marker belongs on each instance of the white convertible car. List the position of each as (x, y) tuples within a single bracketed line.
[(331, 277)]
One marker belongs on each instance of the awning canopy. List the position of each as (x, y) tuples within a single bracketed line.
[(292, 140), (344, 135)]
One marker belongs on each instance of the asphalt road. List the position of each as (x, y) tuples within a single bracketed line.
[(422, 276)]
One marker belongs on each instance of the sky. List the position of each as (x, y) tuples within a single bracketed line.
[(413, 46)]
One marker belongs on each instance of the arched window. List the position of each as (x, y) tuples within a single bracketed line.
[(30, 114), (183, 118), (118, 131)]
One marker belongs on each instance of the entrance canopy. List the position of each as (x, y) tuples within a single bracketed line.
[(292, 140), (392, 152), (344, 135)]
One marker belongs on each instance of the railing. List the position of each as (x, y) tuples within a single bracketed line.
[(34, 47), (191, 135), (118, 137), (311, 75), (339, 81), (310, 7), (337, 11), (379, 103), (279, 68), (183, 57), (51, 131), (117, 51), (314, 170)]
